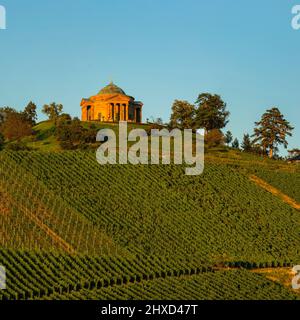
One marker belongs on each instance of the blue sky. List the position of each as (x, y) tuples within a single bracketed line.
[(157, 51)]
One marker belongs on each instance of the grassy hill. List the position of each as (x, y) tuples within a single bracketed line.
[(44, 138), (72, 229)]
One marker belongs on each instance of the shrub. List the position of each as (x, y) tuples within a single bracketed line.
[(214, 138)]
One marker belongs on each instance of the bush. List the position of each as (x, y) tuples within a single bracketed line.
[(18, 146), (72, 135), (214, 138)]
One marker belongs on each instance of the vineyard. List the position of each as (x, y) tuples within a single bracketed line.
[(60, 276), (72, 229), (206, 286), (287, 182)]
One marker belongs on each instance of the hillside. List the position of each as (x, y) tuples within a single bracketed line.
[(137, 231), (45, 140)]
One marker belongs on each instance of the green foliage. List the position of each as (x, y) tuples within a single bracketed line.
[(211, 113), (52, 110), (30, 113), (246, 144), (214, 138), (14, 125), (72, 135), (235, 143), (145, 228), (159, 210), (55, 276), (228, 137), (182, 116), (17, 146), (221, 285), (271, 131), (287, 182)]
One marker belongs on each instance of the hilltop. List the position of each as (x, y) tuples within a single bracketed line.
[(45, 140)]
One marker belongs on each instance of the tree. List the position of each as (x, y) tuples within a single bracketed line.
[(211, 113), (257, 149), (214, 138), (272, 131), (159, 121), (2, 140), (52, 110), (246, 144), (228, 137), (15, 126), (4, 111), (30, 113), (182, 116), (235, 143), (72, 135)]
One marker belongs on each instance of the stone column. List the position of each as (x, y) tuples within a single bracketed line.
[(113, 112), (121, 112), (124, 111)]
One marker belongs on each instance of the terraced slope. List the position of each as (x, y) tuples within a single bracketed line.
[(221, 285), (60, 276), (71, 228), (287, 182), (32, 217), (219, 216)]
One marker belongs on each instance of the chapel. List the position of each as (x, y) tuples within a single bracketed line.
[(111, 104)]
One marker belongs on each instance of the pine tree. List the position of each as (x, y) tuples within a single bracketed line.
[(246, 144), (271, 131), (235, 144), (228, 137)]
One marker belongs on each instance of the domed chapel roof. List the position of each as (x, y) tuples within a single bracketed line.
[(112, 89)]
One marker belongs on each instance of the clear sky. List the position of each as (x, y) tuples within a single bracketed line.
[(157, 51)]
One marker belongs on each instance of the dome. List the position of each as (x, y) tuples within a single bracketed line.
[(112, 89)]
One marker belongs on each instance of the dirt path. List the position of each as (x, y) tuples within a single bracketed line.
[(55, 237), (263, 184), (283, 276), (34, 217)]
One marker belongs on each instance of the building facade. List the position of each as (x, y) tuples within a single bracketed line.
[(111, 104)]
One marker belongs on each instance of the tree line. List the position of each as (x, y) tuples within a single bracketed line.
[(210, 112), (70, 132)]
